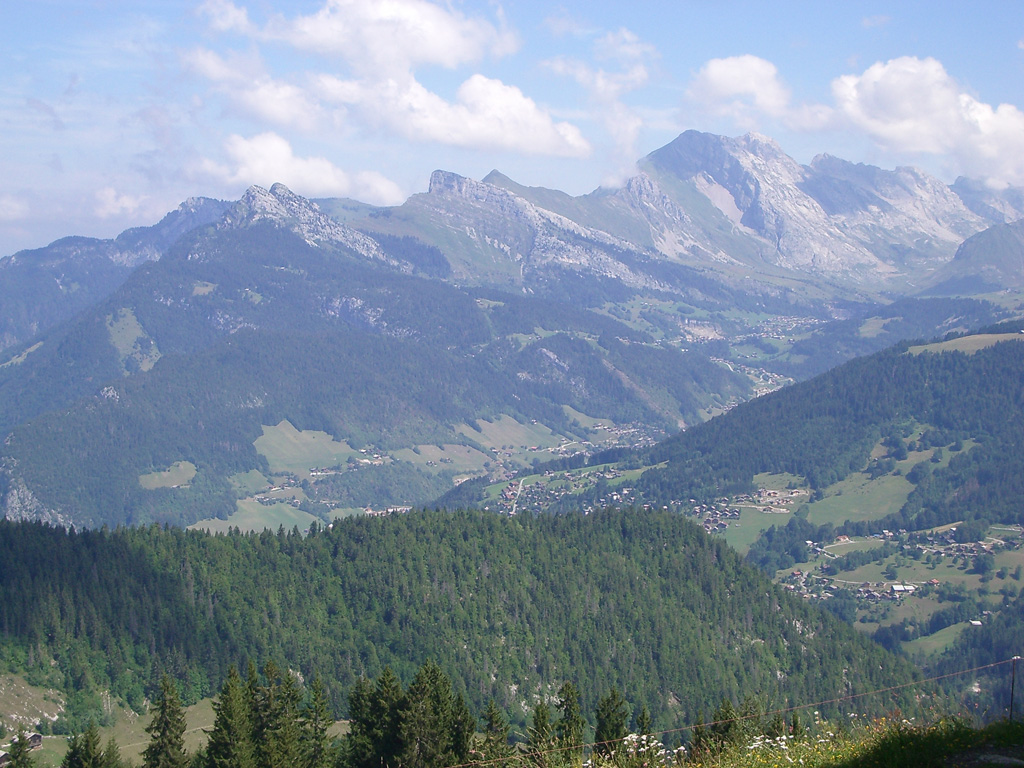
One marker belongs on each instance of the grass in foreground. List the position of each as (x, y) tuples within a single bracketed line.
[(884, 744)]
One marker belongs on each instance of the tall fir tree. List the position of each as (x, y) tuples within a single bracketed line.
[(436, 727), (111, 757), (386, 710), (166, 747), (643, 721), (611, 719), (314, 723), (495, 746), (20, 755), (571, 725), (540, 735), (84, 749), (463, 728), (230, 741), (276, 720), (359, 747)]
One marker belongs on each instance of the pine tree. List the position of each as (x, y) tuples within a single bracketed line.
[(643, 721), (386, 711), (230, 742), (276, 720), (571, 725), (540, 735), (611, 717), (726, 727), (167, 730), (495, 744), (360, 744), (84, 750), (315, 721), (463, 727), (111, 757), (436, 728), (19, 756)]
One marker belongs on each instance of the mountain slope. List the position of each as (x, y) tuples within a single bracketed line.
[(822, 430), (263, 320), (43, 287), (992, 260)]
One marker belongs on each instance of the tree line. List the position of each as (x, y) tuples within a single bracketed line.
[(642, 600), (270, 719)]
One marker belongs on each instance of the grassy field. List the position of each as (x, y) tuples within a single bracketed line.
[(460, 458), (930, 645), (860, 498), (514, 441), (203, 288), (130, 339), (289, 450), (248, 483), (19, 359), (253, 516), (743, 532), (874, 326), (180, 473), (130, 730), (967, 344)]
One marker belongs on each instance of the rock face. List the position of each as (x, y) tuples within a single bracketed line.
[(999, 206), (707, 201), (833, 218), (493, 236), (304, 217)]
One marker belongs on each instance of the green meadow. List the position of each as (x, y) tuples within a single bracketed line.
[(253, 516), (179, 474), (290, 450), (967, 344)]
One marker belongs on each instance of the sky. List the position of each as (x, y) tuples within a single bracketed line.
[(112, 112)]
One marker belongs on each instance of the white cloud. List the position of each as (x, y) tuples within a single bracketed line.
[(243, 82), (382, 43), (561, 23), (631, 57), (914, 105), (225, 16), (110, 203), (870, 22), (268, 158), (486, 113), (906, 105), (12, 209), (386, 37), (741, 87)]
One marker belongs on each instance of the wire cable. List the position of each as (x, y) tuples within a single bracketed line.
[(742, 718)]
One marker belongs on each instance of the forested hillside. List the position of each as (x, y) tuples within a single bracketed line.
[(824, 429), (509, 607)]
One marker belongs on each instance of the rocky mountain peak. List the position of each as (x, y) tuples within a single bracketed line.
[(283, 207)]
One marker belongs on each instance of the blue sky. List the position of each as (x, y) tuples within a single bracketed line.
[(112, 112)]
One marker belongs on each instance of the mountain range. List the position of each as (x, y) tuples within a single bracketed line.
[(722, 269)]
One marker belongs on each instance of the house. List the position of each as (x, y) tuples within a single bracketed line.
[(35, 740)]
